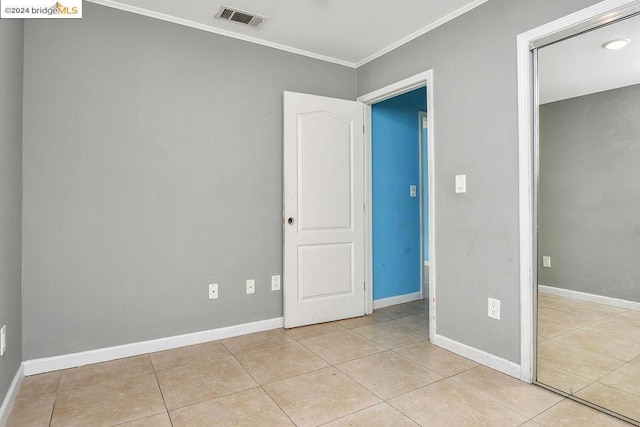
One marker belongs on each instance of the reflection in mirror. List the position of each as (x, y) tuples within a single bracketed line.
[(589, 218)]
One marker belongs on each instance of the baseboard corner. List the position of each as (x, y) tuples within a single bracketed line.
[(12, 393), (480, 356)]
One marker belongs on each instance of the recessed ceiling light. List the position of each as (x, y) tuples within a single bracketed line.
[(616, 44)]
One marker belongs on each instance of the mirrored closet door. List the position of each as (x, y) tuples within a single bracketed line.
[(588, 209)]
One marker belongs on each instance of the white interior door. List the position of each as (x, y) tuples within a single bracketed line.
[(323, 209)]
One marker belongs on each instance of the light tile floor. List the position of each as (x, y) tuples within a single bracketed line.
[(377, 370), (590, 350)]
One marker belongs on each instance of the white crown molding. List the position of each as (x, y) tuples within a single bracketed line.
[(220, 31), (243, 37), (66, 361), (421, 31)]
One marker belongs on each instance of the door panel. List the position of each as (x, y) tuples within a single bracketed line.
[(323, 209), (322, 282), (324, 199)]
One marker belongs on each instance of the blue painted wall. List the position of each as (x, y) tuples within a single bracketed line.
[(396, 216)]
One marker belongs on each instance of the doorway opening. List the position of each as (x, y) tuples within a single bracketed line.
[(400, 195), (397, 198), (324, 187)]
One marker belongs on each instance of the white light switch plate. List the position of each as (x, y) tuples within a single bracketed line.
[(461, 183), (413, 191), (546, 261)]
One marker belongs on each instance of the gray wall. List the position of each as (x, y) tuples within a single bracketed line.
[(152, 167), (590, 194), (475, 110), (11, 46)]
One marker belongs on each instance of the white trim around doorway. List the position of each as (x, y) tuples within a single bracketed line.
[(406, 85)]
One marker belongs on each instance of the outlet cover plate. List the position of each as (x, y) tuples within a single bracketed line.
[(213, 291), (546, 261), (494, 308), (275, 283), (251, 286)]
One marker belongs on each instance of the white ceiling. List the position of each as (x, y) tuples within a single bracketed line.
[(347, 32), (580, 65)]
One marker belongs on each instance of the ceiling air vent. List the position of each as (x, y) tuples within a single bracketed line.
[(240, 16)]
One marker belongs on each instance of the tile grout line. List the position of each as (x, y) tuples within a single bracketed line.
[(344, 361), (401, 394), (276, 403), (246, 370), (613, 387), (155, 374), (549, 408), (353, 413), (391, 350), (496, 401), (330, 365), (585, 327), (213, 398), (433, 370), (282, 379), (260, 385), (430, 384), (55, 400), (335, 367)]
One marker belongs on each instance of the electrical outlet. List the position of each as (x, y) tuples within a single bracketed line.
[(275, 283), (3, 340), (213, 291), (546, 261), (251, 286), (494, 308)]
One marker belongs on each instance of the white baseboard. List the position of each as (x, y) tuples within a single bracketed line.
[(12, 393), (494, 362), (401, 299), (583, 296), (56, 363)]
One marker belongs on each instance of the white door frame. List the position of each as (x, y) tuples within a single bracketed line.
[(410, 83), (598, 14), (422, 117)]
